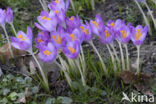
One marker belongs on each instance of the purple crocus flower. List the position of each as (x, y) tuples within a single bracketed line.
[(48, 23), (111, 23), (42, 38), (2, 16), (97, 25), (23, 41), (9, 15), (58, 37), (107, 36), (123, 34), (47, 52), (139, 34), (86, 31), (59, 4), (73, 22), (75, 35), (72, 49)]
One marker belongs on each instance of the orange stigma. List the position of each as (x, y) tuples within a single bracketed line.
[(21, 37), (123, 33), (95, 23), (112, 24), (138, 34), (56, 1), (47, 53), (106, 33), (39, 40), (71, 19), (56, 11), (58, 39), (72, 36), (45, 18), (72, 50)]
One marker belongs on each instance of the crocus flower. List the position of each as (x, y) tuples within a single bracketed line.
[(58, 37), (73, 22), (110, 23), (42, 38), (96, 25), (23, 41), (123, 35), (47, 23), (75, 35), (139, 34), (107, 36), (9, 15), (2, 17), (47, 52), (72, 49), (59, 4), (86, 31)]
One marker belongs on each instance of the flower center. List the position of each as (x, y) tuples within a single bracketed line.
[(47, 53), (45, 18), (112, 24), (72, 36), (71, 49), (56, 11), (39, 40), (123, 33), (138, 34), (56, 1), (95, 23), (106, 33), (21, 37), (85, 31), (58, 39), (71, 19)]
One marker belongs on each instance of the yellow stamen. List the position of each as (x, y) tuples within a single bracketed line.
[(47, 53), (85, 31), (39, 40), (112, 24), (56, 11), (123, 33), (21, 37), (106, 33), (72, 50), (95, 23), (56, 1), (44, 18), (138, 34), (81, 27), (72, 36), (71, 19), (58, 39)]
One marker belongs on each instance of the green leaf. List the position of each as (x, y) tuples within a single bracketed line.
[(65, 100), (13, 96), (6, 91), (50, 101)]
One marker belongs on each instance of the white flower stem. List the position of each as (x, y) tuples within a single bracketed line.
[(144, 16), (44, 8), (64, 71), (72, 4), (112, 57), (154, 21), (122, 56), (12, 26), (100, 58), (117, 58), (82, 75), (93, 4), (41, 70), (10, 49), (127, 56), (138, 59), (83, 62)]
